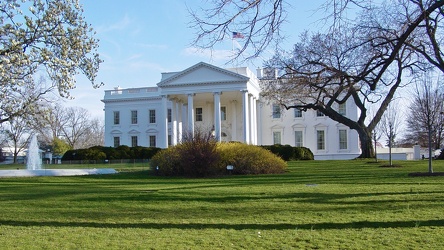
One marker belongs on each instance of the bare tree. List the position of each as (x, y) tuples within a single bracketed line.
[(17, 135), (391, 125), (259, 22), (427, 110), (327, 70), (48, 122), (377, 135), (42, 37), (75, 125), (72, 125), (95, 134), (427, 104), (364, 60)]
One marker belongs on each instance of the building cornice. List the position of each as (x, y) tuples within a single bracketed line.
[(131, 99), (201, 83)]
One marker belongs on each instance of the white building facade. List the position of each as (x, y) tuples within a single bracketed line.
[(228, 102)]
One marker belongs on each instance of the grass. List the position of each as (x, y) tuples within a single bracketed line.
[(315, 205)]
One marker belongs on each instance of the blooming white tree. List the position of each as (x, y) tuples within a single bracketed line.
[(46, 37)]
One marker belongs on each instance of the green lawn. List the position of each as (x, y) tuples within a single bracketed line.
[(315, 205)]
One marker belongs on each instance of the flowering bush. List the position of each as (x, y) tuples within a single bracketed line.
[(202, 156), (250, 159)]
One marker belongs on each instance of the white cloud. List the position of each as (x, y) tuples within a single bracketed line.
[(120, 25), (133, 57)]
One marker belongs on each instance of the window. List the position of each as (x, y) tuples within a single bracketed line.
[(133, 141), (133, 116), (342, 139), (199, 115), (276, 111), (277, 137), (169, 115), (152, 140), (298, 140), (169, 140), (223, 113), (152, 116), (116, 117), (320, 136), (116, 142), (297, 113), (319, 113), (342, 109)]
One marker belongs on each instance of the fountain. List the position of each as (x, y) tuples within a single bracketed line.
[(34, 166), (33, 159)]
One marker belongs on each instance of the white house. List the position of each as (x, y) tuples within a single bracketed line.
[(227, 101)]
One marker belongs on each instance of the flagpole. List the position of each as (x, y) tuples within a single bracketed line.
[(232, 45), (233, 36)]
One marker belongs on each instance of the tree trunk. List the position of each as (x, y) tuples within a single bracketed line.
[(14, 156), (365, 137), (390, 153), (376, 153), (430, 148)]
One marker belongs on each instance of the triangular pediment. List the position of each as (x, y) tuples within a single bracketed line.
[(202, 73), (133, 131), (116, 132)]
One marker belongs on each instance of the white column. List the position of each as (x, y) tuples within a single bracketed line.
[(254, 121), (245, 116), (184, 119), (173, 123), (251, 128), (259, 123), (217, 118), (163, 131), (179, 107), (233, 121), (190, 114)]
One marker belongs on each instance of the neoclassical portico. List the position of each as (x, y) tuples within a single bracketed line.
[(209, 103), (214, 119)]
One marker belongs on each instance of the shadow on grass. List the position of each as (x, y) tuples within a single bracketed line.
[(203, 226)]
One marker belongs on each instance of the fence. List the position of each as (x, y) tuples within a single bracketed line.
[(118, 161)]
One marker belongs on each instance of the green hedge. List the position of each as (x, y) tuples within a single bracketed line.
[(110, 153), (289, 153)]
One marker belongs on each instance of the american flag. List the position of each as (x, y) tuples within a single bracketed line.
[(237, 35)]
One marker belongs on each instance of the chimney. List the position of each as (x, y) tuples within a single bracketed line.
[(259, 73)]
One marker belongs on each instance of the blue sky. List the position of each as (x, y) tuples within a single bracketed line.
[(140, 39)]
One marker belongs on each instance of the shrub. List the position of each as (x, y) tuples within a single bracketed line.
[(110, 153), (196, 156), (167, 162), (124, 152), (287, 152), (302, 153), (144, 152), (202, 157), (94, 154), (250, 159)]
